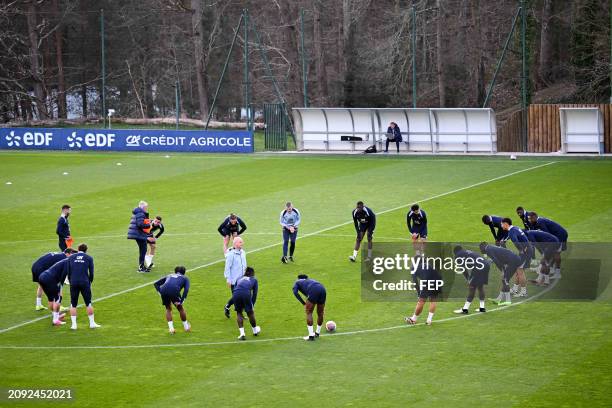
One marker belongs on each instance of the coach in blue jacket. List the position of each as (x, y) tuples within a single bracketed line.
[(397, 136), (138, 224)]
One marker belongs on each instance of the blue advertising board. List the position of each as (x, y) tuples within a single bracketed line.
[(204, 141)]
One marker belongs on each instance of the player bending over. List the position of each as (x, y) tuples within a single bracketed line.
[(244, 297), (477, 277), (494, 223), (525, 249), (365, 223), (169, 287), (507, 262), (81, 275), (156, 226), (548, 246), (51, 281), (231, 227), (425, 274), (546, 225), (416, 220), (42, 264), (524, 216), (316, 295)]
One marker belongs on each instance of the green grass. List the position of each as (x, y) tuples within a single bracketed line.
[(533, 354)]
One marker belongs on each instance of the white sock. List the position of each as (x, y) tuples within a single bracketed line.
[(482, 304), (185, 325), (147, 260), (467, 305), (255, 329), (546, 279), (91, 319), (355, 251), (430, 317), (310, 331), (38, 301), (55, 316), (241, 329), (369, 253), (515, 288), (507, 296), (318, 329), (73, 318), (171, 325), (414, 317)]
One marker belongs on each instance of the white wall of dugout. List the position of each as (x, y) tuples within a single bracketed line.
[(423, 130), (581, 130)]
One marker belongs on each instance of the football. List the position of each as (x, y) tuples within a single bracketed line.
[(330, 326)]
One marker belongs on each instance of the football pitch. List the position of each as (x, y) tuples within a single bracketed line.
[(530, 354)]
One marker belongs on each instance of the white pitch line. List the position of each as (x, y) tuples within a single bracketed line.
[(275, 339), (321, 231)]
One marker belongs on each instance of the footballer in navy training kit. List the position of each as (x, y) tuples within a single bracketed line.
[(51, 281), (477, 277), (425, 276), (416, 220), (231, 227), (507, 262), (244, 297), (81, 276), (524, 216), (290, 220), (63, 228), (548, 246), (169, 288), (42, 264), (526, 252), (364, 220), (316, 295), (547, 225), (494, 223)]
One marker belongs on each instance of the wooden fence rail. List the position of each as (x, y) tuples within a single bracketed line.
[(544, 128)]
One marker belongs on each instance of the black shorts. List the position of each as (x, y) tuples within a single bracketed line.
[(317, 295), (510, 270), (170, 299), (80, 288), (51, 289), (421, 232), (242, 302), (479, 277), (228, 233), (35, 275), (430, 294), (367, 231)]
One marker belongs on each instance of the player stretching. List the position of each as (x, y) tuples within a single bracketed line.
[(546, 225), (231, 227), (365, 223), (169, 287), (548, 246), (316, 295), (156, 226), (235, 266), (494, 223), (63, 228), (81, 275), (51, 281), (424, 275), (290, 220), (507, 262), (244, 297), (477, 277), (524, 216), (42, 264), (525, 249), (416, 220)]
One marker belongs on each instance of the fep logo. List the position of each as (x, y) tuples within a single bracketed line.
[(74, 140), (132, 141), (12, 140)]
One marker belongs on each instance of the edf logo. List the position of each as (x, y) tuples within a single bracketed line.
[(91, 140), (29, 139)]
